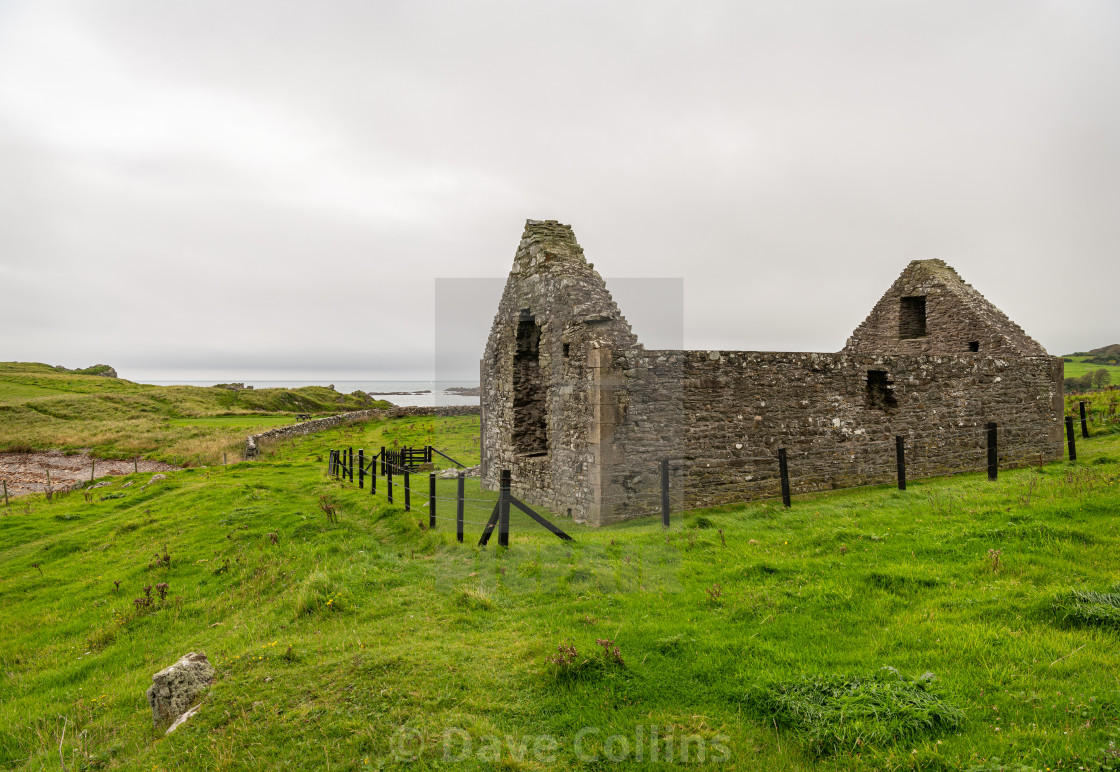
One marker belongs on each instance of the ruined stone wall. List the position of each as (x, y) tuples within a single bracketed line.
[(737, 408), (536, 373), (253, 441), (582, 414), (958, 319)]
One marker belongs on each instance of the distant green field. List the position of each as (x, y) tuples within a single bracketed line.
[(1078, 367), (247, 422), (45, 408), (13, 391)]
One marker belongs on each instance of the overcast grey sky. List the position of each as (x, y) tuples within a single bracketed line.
[(236, 189)]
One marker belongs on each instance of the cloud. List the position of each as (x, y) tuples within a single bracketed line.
[(250, 189)]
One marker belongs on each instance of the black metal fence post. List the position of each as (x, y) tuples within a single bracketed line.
[(431, 499), (407, 491), (350, 463), (503, 510), (383, 462), (1084, 421), (361, 467), (389, 483), (665, 493), (330, 462), (373, 475), (1069, 438), (993, 454), (783, 471), (900, 460), (459, 504)]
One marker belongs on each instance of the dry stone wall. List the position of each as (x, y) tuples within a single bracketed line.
[(253, 441)]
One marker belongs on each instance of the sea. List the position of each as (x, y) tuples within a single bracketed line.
[(436, 391)]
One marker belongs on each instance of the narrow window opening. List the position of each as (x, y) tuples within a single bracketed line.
[(567, 349), (880, 395), (974, 346), (912, 317), (530, 435)]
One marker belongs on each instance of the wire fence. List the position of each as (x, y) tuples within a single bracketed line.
[(398, 468), (688, 482), (692, 482)]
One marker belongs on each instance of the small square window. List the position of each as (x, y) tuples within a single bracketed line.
[(567, 349), (974, 346), (912, 317)]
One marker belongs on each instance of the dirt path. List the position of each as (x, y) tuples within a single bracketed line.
[(27, 472)]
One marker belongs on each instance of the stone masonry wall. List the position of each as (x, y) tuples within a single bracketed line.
[(582, 414), (253, 441), (956, 316), (738, 408), (538, 416)]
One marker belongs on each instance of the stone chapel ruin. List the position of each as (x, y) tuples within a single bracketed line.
[(582, 413)]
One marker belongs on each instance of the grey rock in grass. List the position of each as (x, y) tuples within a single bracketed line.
[(175, 688), (156, 477)]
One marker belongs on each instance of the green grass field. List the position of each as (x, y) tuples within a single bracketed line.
[(363, 640), (42, 408), (1075, 367)]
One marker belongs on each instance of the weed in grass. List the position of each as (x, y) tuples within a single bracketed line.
[(993, 559), (611, 654), (1028, 490), (1085, 608), (564, 657), (715, 592), (116, 585), (274, 537), (474, 600), (144, 602), (671, 644), (329, 506), (160, 561), (844, 713), (940, 503), (161, 590), (589, 620)]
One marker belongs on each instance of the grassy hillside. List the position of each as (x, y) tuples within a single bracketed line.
[(354, 638), (43, 408), (1076, 366)]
